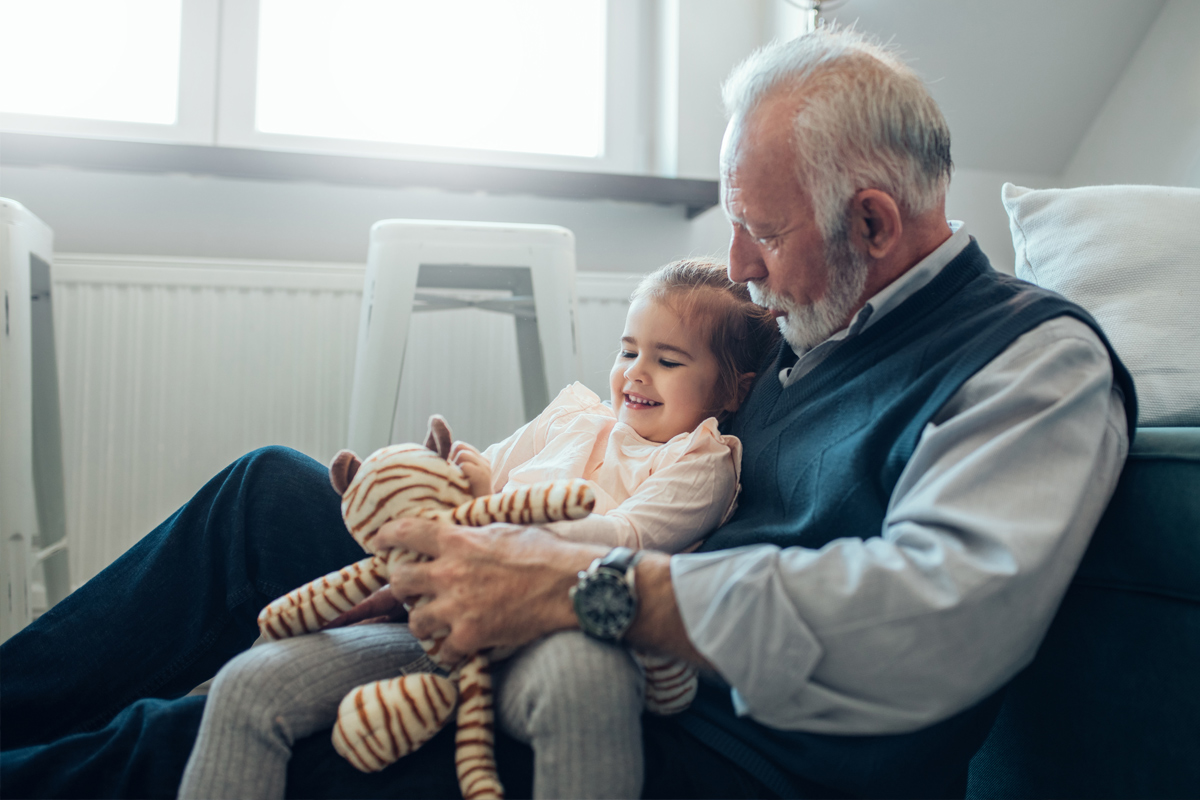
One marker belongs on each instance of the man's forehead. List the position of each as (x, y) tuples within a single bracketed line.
[(762, 135)]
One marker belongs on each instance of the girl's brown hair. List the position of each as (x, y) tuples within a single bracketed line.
[(740, 333)]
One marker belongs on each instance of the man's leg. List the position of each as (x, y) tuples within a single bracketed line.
[(169, 612), (139, 754)]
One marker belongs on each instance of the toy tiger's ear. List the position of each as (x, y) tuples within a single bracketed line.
[(439, 438), (342, 470)]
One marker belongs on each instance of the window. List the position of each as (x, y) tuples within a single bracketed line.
[(544, 83), (479, 74), (124, 62), (135, 69)]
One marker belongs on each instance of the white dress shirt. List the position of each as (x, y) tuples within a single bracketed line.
[(982, 534)]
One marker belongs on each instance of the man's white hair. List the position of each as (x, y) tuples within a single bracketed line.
[(864, 120)]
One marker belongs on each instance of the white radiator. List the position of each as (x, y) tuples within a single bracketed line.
[(171, 368)]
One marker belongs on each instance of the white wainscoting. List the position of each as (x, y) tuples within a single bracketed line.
[(170, 368)]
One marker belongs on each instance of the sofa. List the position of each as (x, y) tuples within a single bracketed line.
[(1110, 705)]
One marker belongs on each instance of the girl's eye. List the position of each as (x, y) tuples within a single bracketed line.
[(626, 354), (669, 364)]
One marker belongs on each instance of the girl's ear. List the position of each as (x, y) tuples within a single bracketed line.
[(745, 381)]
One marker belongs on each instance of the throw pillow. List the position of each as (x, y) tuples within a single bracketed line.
[(1130, 255)]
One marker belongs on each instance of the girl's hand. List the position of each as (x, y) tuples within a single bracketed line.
[(382, 606), (474, 466)]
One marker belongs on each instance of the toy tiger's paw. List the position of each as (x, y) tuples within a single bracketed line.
[(671, 684), (314, 605), (383, 721)]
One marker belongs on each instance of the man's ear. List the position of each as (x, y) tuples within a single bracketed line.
[(342, 470), (875, 222), (744, 382)]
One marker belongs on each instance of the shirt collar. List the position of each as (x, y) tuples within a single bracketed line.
[(913, 280), (884, 301)]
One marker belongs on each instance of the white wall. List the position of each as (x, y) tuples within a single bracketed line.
[(185, 215), (1149, 128), (714, 36)]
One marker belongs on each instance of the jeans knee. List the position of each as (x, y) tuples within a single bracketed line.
[(276, 463)]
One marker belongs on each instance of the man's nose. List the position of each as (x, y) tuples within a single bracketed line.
[(745, 260)]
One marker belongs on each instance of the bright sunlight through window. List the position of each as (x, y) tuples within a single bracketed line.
[(512, 75), (92, 59)]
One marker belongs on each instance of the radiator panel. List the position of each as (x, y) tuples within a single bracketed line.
[(172, 368)]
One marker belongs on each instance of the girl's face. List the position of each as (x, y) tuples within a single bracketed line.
[(665, 375)]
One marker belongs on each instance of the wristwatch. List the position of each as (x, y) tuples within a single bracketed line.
[(605, 600)]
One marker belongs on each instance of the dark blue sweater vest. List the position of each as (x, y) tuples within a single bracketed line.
[(820, 460)]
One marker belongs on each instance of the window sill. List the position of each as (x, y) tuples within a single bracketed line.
[(28, 150)]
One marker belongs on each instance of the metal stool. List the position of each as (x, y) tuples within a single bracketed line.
[(535, 264)]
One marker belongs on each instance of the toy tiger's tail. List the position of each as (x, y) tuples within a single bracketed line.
[(474, 741)]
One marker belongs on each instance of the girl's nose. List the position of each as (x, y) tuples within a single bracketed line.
[(635, 371)]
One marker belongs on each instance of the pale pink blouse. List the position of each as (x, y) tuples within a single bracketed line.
[(649, 495)]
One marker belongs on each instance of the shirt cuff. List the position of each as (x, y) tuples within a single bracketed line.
[(739, 617)]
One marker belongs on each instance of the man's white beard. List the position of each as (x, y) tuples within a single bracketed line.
[(806, 326)]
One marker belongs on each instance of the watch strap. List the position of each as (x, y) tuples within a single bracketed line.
[(621, 559)]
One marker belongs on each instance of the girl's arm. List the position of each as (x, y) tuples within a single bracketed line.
[(674, 509)]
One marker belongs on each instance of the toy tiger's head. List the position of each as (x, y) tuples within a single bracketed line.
[(403, 480), (408, 480)]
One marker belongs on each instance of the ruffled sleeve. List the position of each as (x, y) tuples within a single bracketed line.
[(690, 489)]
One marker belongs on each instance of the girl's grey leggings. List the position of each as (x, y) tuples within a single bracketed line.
[(577, 702)]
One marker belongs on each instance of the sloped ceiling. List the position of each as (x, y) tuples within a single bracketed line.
[(1019, 81)]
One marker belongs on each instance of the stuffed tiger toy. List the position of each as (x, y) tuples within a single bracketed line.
[(382, 721)]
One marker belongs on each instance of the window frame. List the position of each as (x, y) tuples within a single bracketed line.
[(194, 123)]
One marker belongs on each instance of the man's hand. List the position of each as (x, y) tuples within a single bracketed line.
[(474, 466), (499, 586), (506, 585)]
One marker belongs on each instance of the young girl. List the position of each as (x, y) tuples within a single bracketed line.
[(664, 478)]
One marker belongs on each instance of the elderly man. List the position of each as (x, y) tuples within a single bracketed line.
[(925, 459)]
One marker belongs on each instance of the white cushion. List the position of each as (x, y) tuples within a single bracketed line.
[(1130, 255)]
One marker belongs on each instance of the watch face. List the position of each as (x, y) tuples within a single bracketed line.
[(604, 605)]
